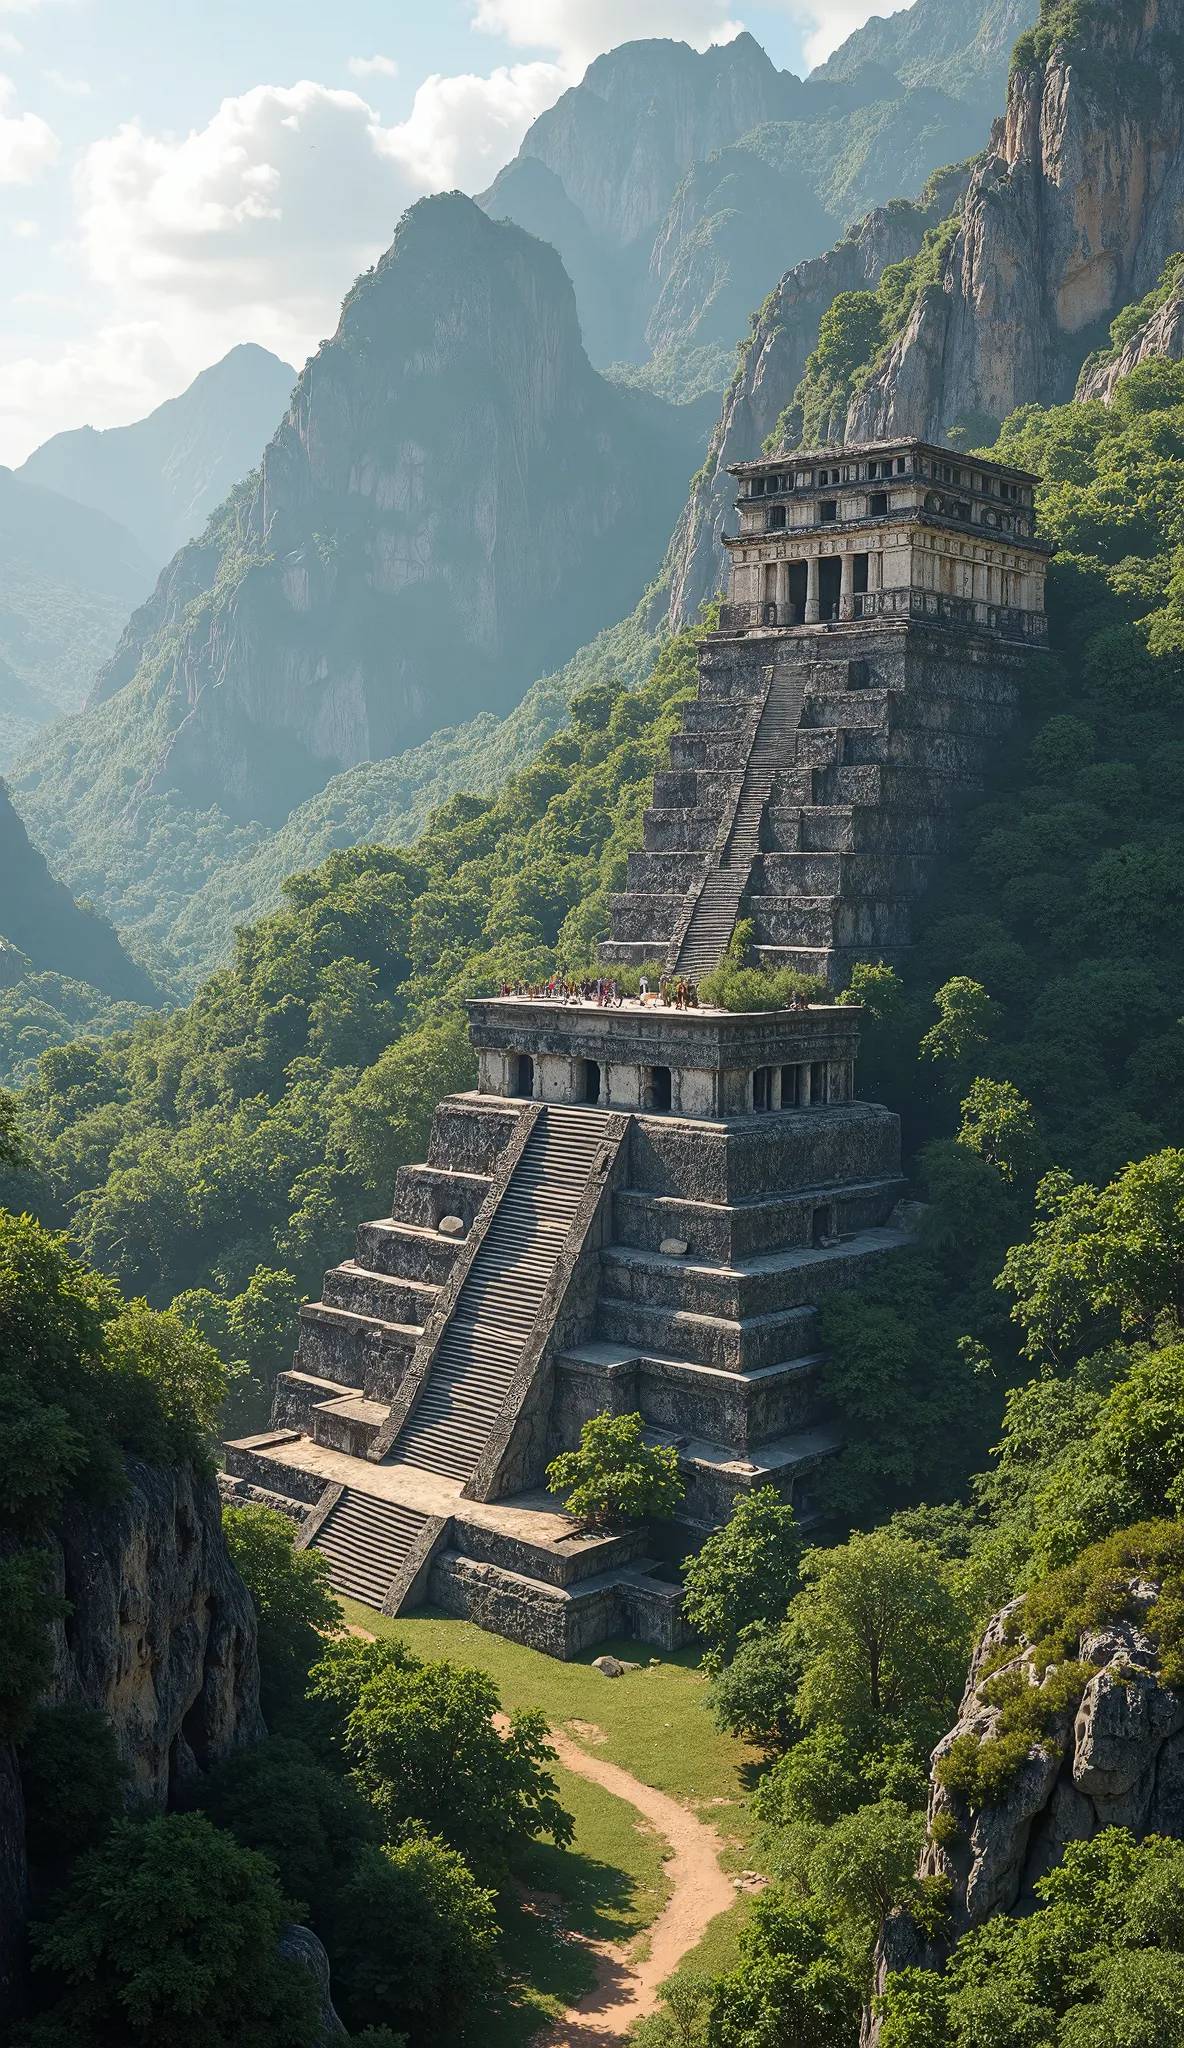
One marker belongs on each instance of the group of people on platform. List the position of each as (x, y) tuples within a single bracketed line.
[(674, 992)]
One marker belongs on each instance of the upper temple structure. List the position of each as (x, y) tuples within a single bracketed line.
[(882, 603), (639, 1209)]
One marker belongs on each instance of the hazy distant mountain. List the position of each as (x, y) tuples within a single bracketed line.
[(69, 577), (164, 475), (679, 186), (40, 918), (962, 47)]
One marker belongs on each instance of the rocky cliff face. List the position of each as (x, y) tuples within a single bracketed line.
[(782, 339), (1160, 336), (621, 140), (1071, 216), (454, 503), (679, 186), (1116, 1759), (160, 1638)]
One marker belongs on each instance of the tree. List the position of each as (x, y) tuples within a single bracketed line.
[(998, 1124), (746, 1572), (753, 1696), (965, 1024), (884, 1640), (1100, 1960), (422, 1744), (310, 1823), (290, 1592), (615, 1476), (793, 1987), (1100, 1262), (413, 1938), (72, 1778), (167, 1935)]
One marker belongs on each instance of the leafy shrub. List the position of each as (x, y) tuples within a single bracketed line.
[(167, 1934), (745, 1573), (422, 1746), (615, 1476), (289, 1589)]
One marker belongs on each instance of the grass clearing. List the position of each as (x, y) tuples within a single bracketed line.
[(611, 1883), (655, 1721)]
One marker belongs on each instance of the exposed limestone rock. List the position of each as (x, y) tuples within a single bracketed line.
[(621, 170), (784, 335), (300, 1945), (162, 1634), (1117, 1760), (1072, 216), (1162, 335)]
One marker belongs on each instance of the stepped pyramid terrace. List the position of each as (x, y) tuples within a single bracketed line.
[(638, 1209), (882, 605)]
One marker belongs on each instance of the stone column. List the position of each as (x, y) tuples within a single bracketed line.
[(812, 590), (845, 584), (782, 589)]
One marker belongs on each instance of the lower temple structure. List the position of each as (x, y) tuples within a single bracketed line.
[(637, 1210)]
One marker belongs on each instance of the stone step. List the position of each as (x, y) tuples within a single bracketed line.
[(423, 1194), (298, 1393), (792, 1278), (680, 831), (732, 1345), (728, 1233), (405, 1251), (353, 1350), (366, 1293), (851, 874), (364, 1541), (831, 921), (348, 1425)]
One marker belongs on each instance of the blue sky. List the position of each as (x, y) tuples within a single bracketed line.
[(174, 179)]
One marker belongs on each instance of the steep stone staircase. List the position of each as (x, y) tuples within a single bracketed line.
[(713, 918), (501, 1295), (364, 1541)]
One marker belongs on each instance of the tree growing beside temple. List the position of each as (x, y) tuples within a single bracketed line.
[(615, 1476)]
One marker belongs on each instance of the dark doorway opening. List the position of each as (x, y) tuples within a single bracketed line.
[(859, 573), (820, 1228), (659, 1088), (591, 1081), (818, 1081), (525, 1074), (799, 577), (762, 1088), (830, 584), (789, 1087)]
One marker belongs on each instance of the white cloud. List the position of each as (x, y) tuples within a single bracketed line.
[(9, 45), (109, 380), (365, 67), (24, 228), (582, 29), (78, 88), (461, 130), (28, 144)]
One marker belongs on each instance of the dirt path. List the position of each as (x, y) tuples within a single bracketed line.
[(626, 1991)]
